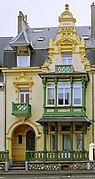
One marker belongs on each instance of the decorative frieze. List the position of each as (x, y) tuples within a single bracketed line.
[(61, 166)]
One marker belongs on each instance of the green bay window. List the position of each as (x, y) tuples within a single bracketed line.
[(64, 94)]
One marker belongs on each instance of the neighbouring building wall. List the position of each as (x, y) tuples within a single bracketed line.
[(2, 120)]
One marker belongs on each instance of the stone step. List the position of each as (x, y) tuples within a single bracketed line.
[(17, 165)]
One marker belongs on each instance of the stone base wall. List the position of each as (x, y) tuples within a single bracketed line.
[(61, 166)]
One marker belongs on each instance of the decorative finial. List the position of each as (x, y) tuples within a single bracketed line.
[(66, 7)]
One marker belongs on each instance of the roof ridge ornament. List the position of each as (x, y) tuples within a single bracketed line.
[(67, 7)]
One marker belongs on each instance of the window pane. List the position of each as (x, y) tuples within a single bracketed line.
[(50, 93), (20, 139), (77, 92), (66, 142), (64, 94), (50, 96), (21, 98), (52, 142), (60, 96), (64, 61), (27, 98), (69, 61), (79, 142), (23, 61), (67, 96), (24, 95)]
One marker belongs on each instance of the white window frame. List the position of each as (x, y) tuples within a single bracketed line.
[(75, 86), (24, 93), (64, 86), (22, 58), (50, 87), (67, 57)]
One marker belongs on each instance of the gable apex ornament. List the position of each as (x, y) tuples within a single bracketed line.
[(67, 7)]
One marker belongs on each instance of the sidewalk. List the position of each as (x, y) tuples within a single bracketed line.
[(68, 172)]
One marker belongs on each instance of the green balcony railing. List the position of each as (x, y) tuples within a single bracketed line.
[(4, 156), (56, 155), (64, 68), (21, 109)]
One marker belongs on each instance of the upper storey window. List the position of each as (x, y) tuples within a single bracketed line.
[(50, 94), (23, 61), (66, 59), (77, 94), (64, 94), (24, 95)]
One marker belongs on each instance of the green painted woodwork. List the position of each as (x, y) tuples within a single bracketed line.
[(56, 140), (55, 91), (64, 111), (20, 109), (30, 140), (44, 89), (83, 130), (64, 69), (4, 156), (61, 155), (45, 132)]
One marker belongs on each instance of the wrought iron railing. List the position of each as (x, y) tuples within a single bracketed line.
[(21, 109), (56, 155), (4, 156)]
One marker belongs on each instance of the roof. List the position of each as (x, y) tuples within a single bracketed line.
[(4, 41), (64, 119), (20, 39), (39, 38)]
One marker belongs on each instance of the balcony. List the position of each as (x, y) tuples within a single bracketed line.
[(64, 68), (21, 109)]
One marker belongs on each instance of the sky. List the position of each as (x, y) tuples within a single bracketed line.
[(41, 13)]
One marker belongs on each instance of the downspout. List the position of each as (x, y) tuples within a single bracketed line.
[(92, 107)]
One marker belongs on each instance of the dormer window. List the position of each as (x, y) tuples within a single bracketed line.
[(23, 61), (66, 59)]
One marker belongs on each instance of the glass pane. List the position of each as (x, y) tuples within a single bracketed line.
[(77, 92), (21, 98), (20, 139), (64, 61), (69, 61), (77, 95), (79, 142), (60, 96), (23, 61), (50, 96), (27, 98), (67, 96), (53, 142), (66, 142)]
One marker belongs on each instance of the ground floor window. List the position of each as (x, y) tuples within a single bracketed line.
[(79, 142), (66, 142), (52, 142)]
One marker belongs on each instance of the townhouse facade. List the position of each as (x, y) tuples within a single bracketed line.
[(47, 85)]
